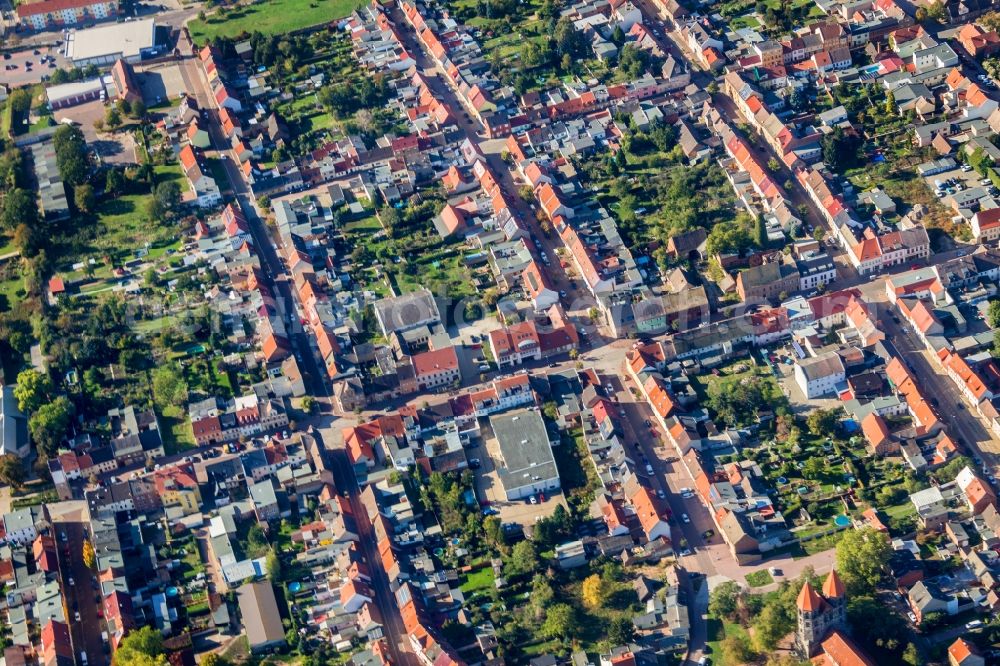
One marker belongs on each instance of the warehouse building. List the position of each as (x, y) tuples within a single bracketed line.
[(131, 41), (71, 94), (525, 465)]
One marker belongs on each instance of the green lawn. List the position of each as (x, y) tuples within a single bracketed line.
[(718, 630), (759, 578), (271, 17), (481, 579), (176, 430)]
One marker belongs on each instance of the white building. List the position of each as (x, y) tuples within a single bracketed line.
[(131, 41), (819, 376), (525, 465)]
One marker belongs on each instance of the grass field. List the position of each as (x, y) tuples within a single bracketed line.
[(271, 17), (759, 578), (718, 630), (481, 579)]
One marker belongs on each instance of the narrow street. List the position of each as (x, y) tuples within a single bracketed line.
[(275, 278), (393, 622), (951, 406), (82, 594)]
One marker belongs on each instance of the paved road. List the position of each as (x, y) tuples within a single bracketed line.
[(395, 631), (82, 595), (951, 407), (276, 278), (273, 269)]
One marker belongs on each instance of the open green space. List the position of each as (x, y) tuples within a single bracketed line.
[(176, 430), (479, 580), (270, 17), (718, 631), (759, 578)]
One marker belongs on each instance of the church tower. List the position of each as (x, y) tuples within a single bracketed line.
[(818, 614)]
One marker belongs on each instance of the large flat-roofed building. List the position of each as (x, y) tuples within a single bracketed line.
[(131, 41), (261, 620), (407, 311), (51, 14), (525, 465)]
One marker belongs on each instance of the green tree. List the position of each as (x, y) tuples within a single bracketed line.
[(736, 650), (621, 631), (823, 422), (724, 599), (19, 207), (169, 387), (523, 559), (168, 195), (947, 472), (113, 117), (493, 532), (993, 314), (771, 625), (569, 40), (272, 565), (912, 656), (142, 647), (862, 557), (773, 164), (12, 471), (560, 621), (114, 182), (49, 423), (542, 594), (814, 468), (71, 154), (841, 150), (33, 389), (83, 197)]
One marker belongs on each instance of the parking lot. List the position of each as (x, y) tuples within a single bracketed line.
[(949, 183), (20, 73)]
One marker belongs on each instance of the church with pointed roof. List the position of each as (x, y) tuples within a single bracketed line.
[(820, 613)]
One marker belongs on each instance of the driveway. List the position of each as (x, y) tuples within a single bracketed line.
[(112, 147)]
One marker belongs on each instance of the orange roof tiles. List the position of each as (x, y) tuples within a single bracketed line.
[(833, 587), (961, 650), (647, 509), (838, 650), (808, 601), (875, 430)]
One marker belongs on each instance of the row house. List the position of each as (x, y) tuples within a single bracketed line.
[(56, 14), (244, 416), (534, 339)]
